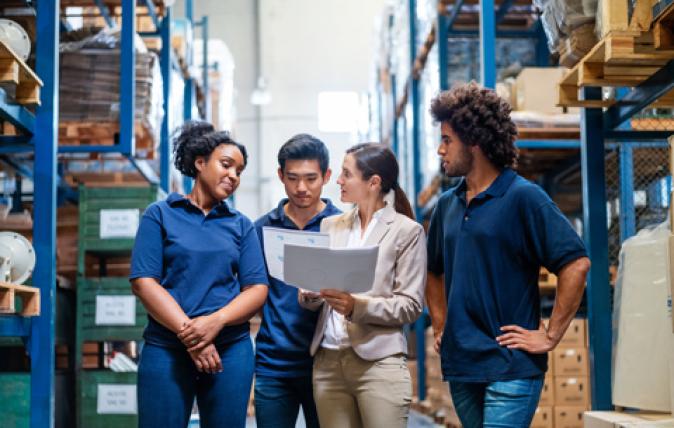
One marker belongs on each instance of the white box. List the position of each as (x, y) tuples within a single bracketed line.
[(642, 334)]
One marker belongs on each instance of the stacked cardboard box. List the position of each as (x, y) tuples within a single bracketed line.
[(566, 392)]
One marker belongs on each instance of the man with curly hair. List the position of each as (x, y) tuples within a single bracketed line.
[(489, 236)]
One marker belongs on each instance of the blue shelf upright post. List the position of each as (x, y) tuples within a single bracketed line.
[(188, 94), (420, 324), (41, 342), (596, 238), (164, 141), (487, 44), (441, 39), (206, 71), (127, 95)]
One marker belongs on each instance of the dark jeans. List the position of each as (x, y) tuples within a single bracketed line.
[(168, 382), (508, 404), (278, 400)]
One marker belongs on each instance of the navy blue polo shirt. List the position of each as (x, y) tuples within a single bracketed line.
[(491, 252), (203, 261), (282, 344)]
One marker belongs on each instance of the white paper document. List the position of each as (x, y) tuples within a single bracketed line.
[(275, 239), (347, 269)]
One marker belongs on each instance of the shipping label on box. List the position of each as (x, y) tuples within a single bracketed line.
[(116, 399), (547, 393), (119, 223), (569, 416), (575, 335), (115, 310), (572, 391), (570, 362), (543, 418)]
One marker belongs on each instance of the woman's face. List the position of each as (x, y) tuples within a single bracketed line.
[(353, 188), (221, 172)]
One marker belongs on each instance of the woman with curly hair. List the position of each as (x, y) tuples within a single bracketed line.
[(197, 267), (489, 237)]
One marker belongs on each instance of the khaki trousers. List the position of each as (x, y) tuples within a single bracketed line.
[(351, 392)]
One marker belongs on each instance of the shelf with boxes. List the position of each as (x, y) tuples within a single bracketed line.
[(28, 90), (566, 391), (107, 311)]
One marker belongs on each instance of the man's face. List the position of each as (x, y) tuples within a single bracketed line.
[(457, 157), (303, 181)]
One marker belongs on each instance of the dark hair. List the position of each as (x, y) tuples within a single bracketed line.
[(377, 159), (196, 139), (480, 117), (304, 147)]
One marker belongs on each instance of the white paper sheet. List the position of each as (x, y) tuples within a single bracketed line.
[(314, 269), (275, 239)]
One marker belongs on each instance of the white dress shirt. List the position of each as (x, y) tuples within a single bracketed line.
[(336, 336)]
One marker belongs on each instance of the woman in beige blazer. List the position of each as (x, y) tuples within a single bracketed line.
[(360, 376)]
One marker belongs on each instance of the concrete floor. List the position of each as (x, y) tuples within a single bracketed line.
[(417, 420)]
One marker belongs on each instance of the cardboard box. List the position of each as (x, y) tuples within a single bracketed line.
[(535, 89), (547, 393), (575, 335), (626, 420), (570, 362), (569, 416), (543, 418), (572, 391)]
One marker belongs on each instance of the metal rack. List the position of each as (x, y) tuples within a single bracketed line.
[(39, 135), (597, 127), (41, 138), (441, 33)]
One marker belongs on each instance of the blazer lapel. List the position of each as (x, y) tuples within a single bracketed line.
[(382, 227), (343, 229)]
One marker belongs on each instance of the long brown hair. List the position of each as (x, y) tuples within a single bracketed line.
[(377, 159)]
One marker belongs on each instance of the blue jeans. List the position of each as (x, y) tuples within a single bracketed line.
[(510, 404), (168, 382), (278, 400)]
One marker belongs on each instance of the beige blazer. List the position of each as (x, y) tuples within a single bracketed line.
[(397, 295)]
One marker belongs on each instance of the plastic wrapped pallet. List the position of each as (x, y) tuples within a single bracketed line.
[(561, 17), (641, 322), (90, 81)]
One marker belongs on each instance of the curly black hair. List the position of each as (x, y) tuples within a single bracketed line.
[(196, 138), (480, 117)]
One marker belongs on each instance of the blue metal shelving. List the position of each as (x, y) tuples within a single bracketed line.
[(38, 332), (40, 135)]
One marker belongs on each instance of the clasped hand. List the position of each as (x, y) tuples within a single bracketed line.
[(197, 335)]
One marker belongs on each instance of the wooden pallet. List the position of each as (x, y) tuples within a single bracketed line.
[(30, 298), (105, 134), (17, 79), (622, 59), (663, 29)]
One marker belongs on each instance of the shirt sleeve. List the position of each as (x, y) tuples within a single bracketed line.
[(434, 243), (252, 269), (148, 248), (552, 238)]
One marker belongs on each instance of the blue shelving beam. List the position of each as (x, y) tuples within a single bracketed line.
[(38, 332), (415, 104), (189, 96), (165, 61), (42, 340)]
